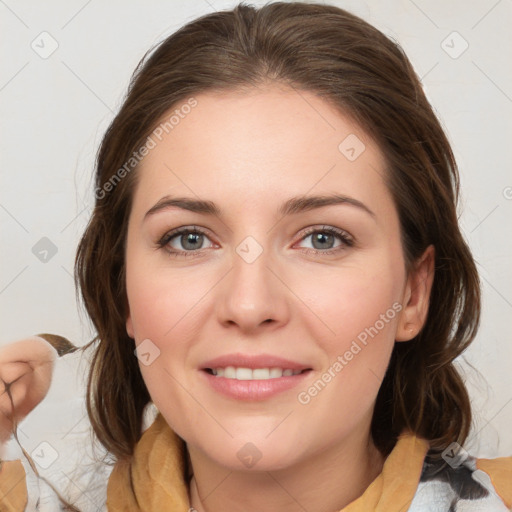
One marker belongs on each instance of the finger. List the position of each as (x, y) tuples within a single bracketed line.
[(33, 351), (9, 372)]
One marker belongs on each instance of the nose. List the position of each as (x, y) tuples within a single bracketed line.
[(252, 296)]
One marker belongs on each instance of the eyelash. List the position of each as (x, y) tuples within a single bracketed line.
[(345, 238)]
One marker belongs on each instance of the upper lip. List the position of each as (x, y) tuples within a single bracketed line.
[(253, 361)]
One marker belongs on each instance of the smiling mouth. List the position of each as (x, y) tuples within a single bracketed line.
[(242, 373)]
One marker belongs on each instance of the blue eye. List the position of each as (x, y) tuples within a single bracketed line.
[(191, 240), (324, 238)]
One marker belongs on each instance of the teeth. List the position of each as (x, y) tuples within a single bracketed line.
[(261, 373), (276, 372), (243, 374), (230, 372)]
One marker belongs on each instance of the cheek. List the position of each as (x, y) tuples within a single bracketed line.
[(346, 302), (361, 305), (162, 311), (165, 308), (356, 314), (162, 303)]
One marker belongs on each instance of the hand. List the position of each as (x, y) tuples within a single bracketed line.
[(26, 368)]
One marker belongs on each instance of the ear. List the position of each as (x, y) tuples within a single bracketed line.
[(416, 296)]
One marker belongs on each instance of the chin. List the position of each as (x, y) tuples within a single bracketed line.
[(263, 455)]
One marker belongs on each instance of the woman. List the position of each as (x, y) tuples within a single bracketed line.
[(275, 238)]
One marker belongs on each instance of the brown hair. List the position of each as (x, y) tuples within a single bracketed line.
[(361, 72)]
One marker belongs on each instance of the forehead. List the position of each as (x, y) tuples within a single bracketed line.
[(242, 145)]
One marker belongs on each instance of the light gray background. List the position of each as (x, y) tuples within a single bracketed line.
[(54, 111)]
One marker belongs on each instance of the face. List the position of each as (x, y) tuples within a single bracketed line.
[(321, 284)]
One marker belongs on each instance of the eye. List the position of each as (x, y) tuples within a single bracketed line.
[(184, 241), (190, 240), (323, 239)]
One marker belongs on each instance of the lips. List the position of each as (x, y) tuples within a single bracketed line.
[(240, 376), (253, 390)]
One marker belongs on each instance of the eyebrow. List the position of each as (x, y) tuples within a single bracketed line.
[(292, 206)]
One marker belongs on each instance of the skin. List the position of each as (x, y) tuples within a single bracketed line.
[(26, 368), (249, 153)]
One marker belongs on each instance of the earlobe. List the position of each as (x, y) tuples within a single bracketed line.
[(416, 297)]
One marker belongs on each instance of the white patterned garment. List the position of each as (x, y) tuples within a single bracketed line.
[(464, 488), (441, 489)]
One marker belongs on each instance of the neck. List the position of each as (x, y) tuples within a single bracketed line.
[(328, 481)]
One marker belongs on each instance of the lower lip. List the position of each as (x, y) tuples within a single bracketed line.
[(254, 389)]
